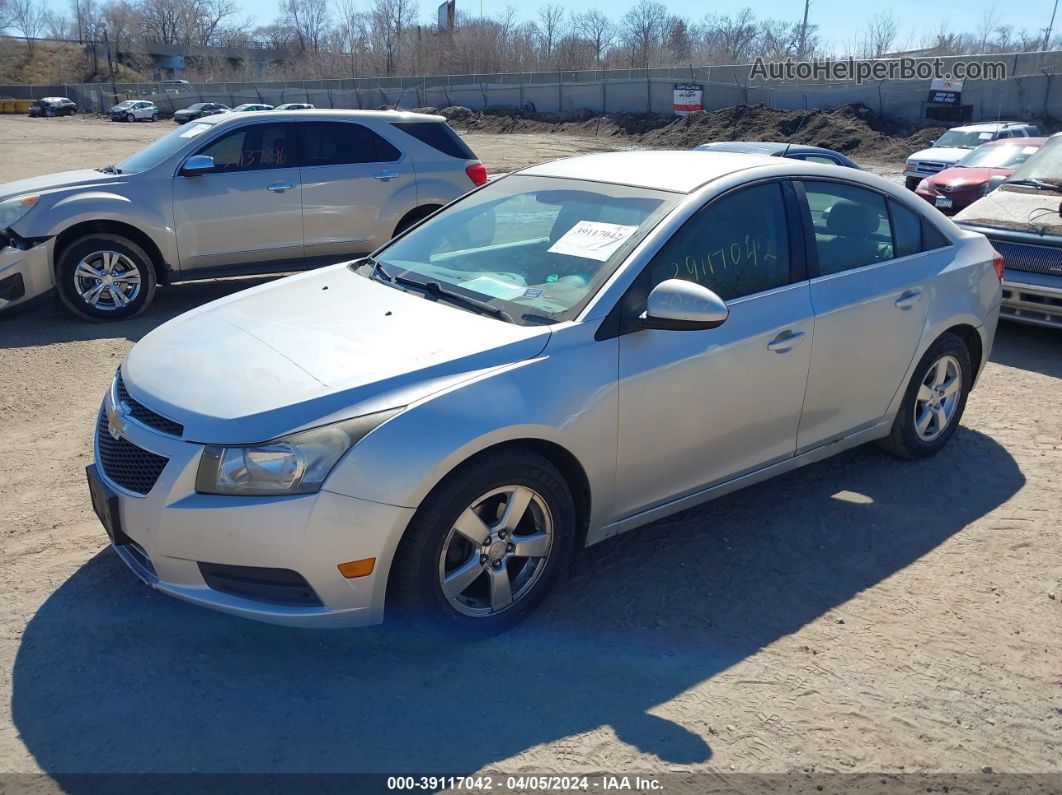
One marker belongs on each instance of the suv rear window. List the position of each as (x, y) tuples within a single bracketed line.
[(438, 136)]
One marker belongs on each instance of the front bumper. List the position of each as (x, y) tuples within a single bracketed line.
[(1032, 298), (175, 529), (25, 273)]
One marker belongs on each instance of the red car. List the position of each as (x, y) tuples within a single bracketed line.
[(964, 183)]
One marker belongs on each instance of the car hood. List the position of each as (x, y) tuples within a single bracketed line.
[(944, 154), (50, 182), (960, 178), (313, 349), (1017, 209)]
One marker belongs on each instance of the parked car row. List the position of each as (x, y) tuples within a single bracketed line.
[(201, 109)]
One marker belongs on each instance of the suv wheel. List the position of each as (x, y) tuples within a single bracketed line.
[(486, 546), (911, 182), (105, 277), (129, 117), (934, 401)]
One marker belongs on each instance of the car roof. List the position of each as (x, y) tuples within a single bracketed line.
[(990, 126), (327, 114), (682, 172), (1031, 141), (765, 147)]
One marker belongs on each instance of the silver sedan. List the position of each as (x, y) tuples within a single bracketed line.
[(560, 356)]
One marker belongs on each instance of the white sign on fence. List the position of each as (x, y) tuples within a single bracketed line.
[(688, 98)]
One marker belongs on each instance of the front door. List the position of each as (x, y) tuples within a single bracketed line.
[(246, 215), (870, 299), (700, 407)]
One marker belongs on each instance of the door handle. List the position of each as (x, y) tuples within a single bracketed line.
[(785, 341), (280, 187), (384, 176), (908, 299)]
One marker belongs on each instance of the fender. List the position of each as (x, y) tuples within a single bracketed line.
[(405, 458)]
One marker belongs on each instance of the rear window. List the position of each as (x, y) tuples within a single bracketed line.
[(438, 136)]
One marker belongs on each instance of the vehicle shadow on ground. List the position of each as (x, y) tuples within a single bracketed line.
[(113, 677), (47, 322), (1034, 348)]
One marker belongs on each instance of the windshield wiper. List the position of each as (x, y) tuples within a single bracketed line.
[(438, 291), (112, 169), (1039, 184)]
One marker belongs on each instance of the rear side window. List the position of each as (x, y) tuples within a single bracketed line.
[(851, 226), (906, 228), (438, 136), (330, 143)]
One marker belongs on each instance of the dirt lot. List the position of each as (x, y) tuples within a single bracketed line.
[(861, 615)]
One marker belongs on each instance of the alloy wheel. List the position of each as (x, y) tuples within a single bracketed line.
[(107, 280), (938, 398), (496, 551)]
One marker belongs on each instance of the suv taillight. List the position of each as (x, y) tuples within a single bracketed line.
[(997, 263), (477, 172)]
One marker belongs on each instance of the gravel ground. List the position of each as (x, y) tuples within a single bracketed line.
[(860, 615)]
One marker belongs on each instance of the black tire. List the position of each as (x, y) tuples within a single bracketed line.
[(154, 117), (911, 182), (413, 217), (415, 593), (903, 440), (130, 118), (71, 256)]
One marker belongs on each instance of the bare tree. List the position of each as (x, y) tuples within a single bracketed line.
[(880, 34), (551, 20), (57, 25), (989, 22), (309, 19), (733, 36), (642, 27), (28, 17), (597, 30)]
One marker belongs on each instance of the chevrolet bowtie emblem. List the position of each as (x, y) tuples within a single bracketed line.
[(116, 420)]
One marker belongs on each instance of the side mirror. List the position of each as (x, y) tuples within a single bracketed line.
[(197, 164), (678, 305), (993, 183)]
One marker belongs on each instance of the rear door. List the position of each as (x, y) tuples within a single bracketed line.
[(870, 289), (350, 178), (246, 215)]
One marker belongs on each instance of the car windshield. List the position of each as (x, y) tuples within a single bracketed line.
[(537, 248), (962, 139), (157, 151), (1045, 164), (196, 106), (127, 104), (998, 155)]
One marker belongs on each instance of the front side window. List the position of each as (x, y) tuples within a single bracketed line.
[(256, 147), (537, 247), (328, 143), (851, 226), (735, 246)]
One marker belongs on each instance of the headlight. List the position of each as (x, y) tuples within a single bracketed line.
[(923, 185), (295, 464), (11, 210)]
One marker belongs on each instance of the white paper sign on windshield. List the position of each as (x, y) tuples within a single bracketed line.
[(592, 240)]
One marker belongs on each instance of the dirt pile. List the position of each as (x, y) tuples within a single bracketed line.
[(852, 129)]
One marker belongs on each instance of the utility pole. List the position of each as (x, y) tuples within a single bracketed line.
[(1050, 25), (804, 29)]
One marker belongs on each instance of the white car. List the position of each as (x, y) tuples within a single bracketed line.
[(134, 110), (956, 143), (567, 353)]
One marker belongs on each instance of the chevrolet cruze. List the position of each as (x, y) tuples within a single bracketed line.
[(564, 354)]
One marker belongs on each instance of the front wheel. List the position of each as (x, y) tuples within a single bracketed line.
[(129, 117), (934, 401), (105, 277), (911, 182), (486, 547)]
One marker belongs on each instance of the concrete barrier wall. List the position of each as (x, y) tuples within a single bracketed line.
[(1033, 91)]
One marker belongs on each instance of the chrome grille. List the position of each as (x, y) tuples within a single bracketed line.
[(926, 165), (124, 463), (142, 413), (1030, 258)]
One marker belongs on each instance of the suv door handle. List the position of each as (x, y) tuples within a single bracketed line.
[(785, 341), (384, 176), (280, 187), (908, 299)]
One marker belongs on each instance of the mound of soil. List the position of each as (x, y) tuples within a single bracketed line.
[(853, 129)]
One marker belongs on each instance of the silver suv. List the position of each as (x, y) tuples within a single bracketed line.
[(228, 195)]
